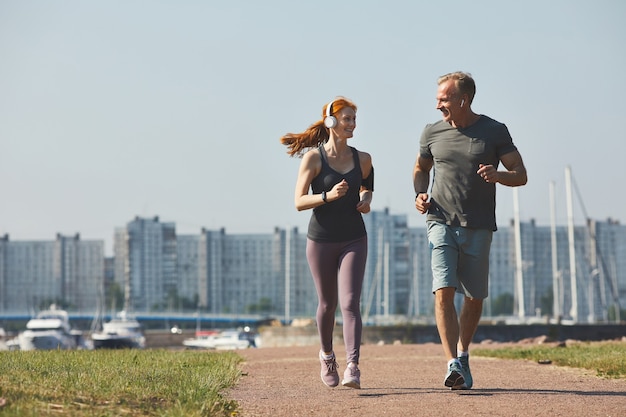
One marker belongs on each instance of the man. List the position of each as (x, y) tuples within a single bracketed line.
[(465, 150)]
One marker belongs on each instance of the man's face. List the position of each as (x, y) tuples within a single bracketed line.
[(449, 101)]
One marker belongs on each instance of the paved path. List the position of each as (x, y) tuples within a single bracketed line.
[(407, 380)]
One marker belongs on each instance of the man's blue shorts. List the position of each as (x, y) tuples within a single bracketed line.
[(460, 258)]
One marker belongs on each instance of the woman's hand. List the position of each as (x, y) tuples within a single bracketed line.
[(339, 190), (363, 206)]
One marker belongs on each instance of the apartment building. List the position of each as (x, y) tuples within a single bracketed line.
[(146, 263), (534, 271), (34, 273)]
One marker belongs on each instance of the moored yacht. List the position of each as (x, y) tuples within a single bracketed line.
[(221, 340), (50, 329), (120, 333)]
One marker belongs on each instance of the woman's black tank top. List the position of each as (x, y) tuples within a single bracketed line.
[(338, 220)]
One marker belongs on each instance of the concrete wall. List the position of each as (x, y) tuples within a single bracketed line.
[(307, 336)]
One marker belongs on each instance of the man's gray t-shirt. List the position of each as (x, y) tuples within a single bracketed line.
[(459, 196)]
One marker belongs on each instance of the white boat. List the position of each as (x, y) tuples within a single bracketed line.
[(50, 329), (120, 333), (3, 345), (219, 340)]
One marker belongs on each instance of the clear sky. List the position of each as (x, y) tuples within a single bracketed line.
[(116, 109)]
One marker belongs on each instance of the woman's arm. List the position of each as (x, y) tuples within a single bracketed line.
[(309, 168), (366, 191)]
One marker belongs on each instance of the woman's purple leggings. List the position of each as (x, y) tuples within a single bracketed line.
[(338, 269)]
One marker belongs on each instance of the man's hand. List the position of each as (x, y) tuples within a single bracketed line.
[(421, 203)]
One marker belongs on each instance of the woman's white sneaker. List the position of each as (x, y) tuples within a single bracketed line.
[(352, 377), (329, 373)]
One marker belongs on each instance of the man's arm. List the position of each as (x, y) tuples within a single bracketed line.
[(421, 174), (421, 180), (514, 176)]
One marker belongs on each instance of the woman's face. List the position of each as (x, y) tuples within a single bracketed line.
[(346, 123)]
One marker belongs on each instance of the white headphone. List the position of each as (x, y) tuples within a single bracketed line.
[(330, 121)]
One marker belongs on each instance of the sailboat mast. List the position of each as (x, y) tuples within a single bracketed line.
[(519, 270), (287, 276), (556, 308), (572, 247)]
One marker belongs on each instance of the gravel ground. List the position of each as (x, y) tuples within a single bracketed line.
[(407, 380)]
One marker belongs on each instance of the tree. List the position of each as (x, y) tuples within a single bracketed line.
[(611, 315), (114, 296), (503, 305), (46, 303), (264, 306), (546, 302)]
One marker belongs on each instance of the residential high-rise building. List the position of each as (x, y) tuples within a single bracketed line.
[(422, 299), (66, 270), (291, 271), (187, 267), (146, 263), (267, 274), (255, 273), (388, 282), (210, 274), (79, 268)]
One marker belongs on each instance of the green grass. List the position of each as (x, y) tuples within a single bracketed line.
[(118, 383), (106, 383), (607, 359)]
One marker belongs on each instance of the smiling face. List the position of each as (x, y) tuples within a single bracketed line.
[(449, 101), (346, 123)]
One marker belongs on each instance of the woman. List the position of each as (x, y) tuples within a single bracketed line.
[(341, 179)]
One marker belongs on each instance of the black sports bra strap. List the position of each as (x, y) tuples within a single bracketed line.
[(323, 154), (357, 162)]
